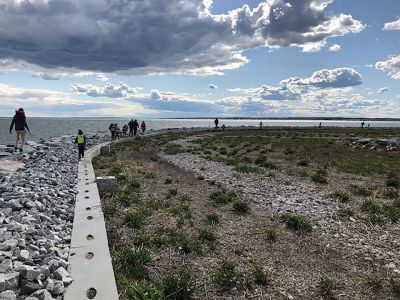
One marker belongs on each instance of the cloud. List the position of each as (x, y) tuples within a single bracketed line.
[(392, 66), (120, 90), (334, 78), (335, 48), (266, 92), (102, 77), (382, 90), (152, 36), (46, 76), (395, 25), (212, 86)]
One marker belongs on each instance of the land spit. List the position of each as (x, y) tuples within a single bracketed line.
[(288, 235)]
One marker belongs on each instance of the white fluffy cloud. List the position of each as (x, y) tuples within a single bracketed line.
[(153, 36), (395, 25), (392, 66), (120, 90), (382, 90), (335, 48)]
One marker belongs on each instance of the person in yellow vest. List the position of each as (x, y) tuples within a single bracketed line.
[(81, 141)]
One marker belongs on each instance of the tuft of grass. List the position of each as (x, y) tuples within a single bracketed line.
[(260, 276), (178, 287), (346, 212), (172, 192), (135, 219), (320, 176), (271, 234), (159, 240), (132, 263), (393, 180), (341, 196), (226, 275), (207, 235), (173, 149), (149, 175), (115, 171), (391, 193), (297, 222), (241, 206), (213, 218), (222, 196), (168, 181), (141, 239), (109, 209), (143, 291), (244, 168), (360, 190), (326, 287), (303, 163)]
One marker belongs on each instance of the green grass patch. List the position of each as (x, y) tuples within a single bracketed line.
[(213, 218), (341, 196), (296, 222), (132, 263), (222, 196), (135, 219), (241, 206), (226, 275)]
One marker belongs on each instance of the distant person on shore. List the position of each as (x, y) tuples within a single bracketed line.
[(362, 124), (216, 121), (130, 124), (143, 127), (135, 127), (124, 130), (117, 132), (369, 125), (320, 124), (19, 120), (81, 141), (113, 128), (261, 125), (223, 127)]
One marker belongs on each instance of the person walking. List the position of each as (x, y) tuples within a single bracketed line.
[(260, 124), (135, 127), (81, 141), (19, 121), (113, 128), (130, 124), (143, 127), (216, 121)]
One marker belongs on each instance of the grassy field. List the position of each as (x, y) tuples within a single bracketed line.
[(172, 235)]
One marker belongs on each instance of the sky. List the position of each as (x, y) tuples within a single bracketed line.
[(200, 58)]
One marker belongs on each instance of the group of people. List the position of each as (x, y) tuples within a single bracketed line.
[(132, 126)]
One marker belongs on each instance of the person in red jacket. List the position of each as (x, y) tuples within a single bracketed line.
[(19, 120), (143, 127)]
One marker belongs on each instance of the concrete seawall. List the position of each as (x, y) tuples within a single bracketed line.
[(91, 267)]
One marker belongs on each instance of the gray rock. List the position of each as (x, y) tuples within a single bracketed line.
[(42, 295), (6, 266), (29, 287), (55, 287), (8, 281), (23, 255), (8, 295), (60, 273), (28, 272)]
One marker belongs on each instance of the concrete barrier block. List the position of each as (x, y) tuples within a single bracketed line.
[(105, 150), (106, 183)]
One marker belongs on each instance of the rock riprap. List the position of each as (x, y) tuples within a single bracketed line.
[(36, 216)]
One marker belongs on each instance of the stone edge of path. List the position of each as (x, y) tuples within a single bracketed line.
[(91, 268)]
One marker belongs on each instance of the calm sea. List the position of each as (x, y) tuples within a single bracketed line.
[(55, 127)]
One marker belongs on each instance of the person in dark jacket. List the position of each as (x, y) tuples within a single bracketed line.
[(81, 141), (216, 121), (130, 125), (19, 120), (135, 127)]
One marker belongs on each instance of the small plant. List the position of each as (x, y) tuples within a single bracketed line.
[(222, 196), (132, 262), (114, 171), (109, 209), (346, 212), (241, 206), (296, 222), (393, 180), (149, 175), (135, 219), (213, 218), (326, 287), (303, 163), (260, 277), (159, 240), (189, 245), (143, 291), (320, 176), (391, 193), (260, 160), (360, 191), (395, 286), (341, 196), (242, 168), (206, 235), (271, 234), (168, 181), (226, 275), (178, 287), (141, 239), (172, 192)]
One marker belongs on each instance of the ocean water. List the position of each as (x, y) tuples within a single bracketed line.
[(54, 127)]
